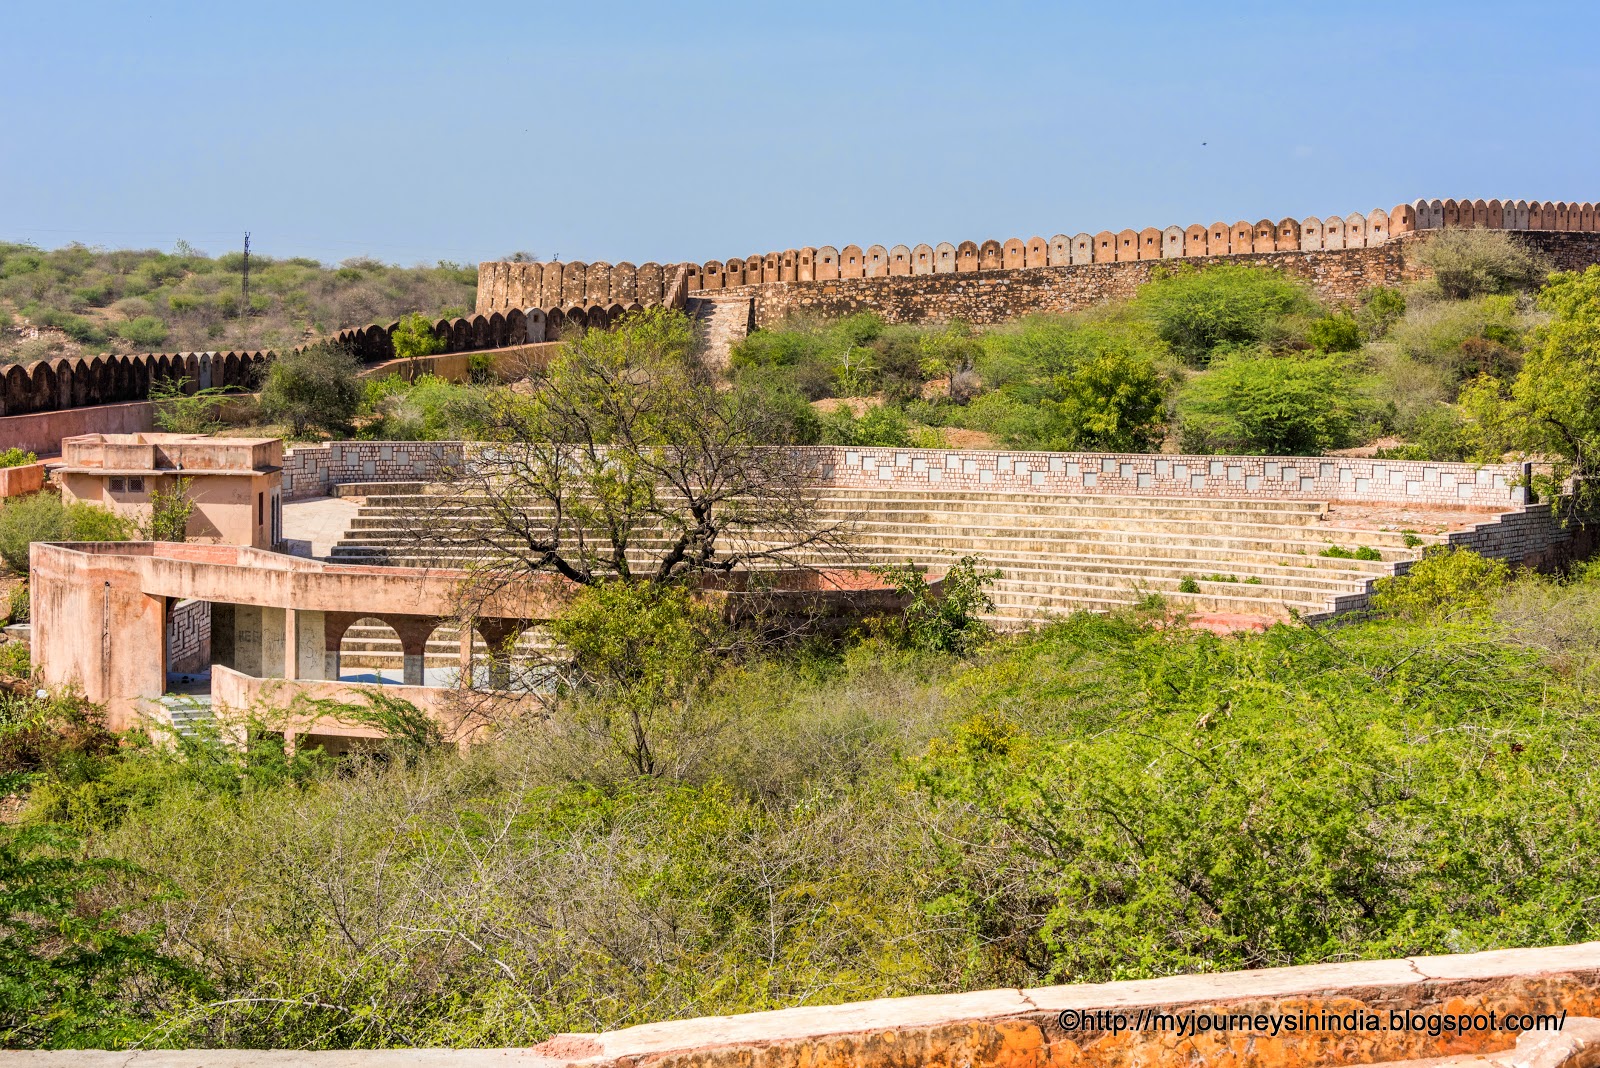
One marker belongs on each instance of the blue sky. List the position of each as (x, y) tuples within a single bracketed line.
[(415, 132)]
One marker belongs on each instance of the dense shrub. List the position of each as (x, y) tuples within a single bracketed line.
[(313, 389), (1334, 333), (43, 517), (143, 332), (880, 426), (15, 457), (1201, 313), (1476, 262), (1071, 383), (415, 337), (1277, 406), (1450, 582), (1108, 798)]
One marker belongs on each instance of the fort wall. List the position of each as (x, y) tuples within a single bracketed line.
[(988, 297)]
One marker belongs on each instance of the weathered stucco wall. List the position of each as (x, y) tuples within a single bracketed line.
[(100, 611), (1343, 1014), (43, 432)]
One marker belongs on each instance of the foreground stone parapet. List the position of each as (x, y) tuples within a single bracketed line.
[(1388, 1011)]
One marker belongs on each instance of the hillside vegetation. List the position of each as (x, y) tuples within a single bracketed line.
[(1109, 798), (75, 300)]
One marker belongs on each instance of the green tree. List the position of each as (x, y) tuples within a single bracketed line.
[(71, 974), (415, 337), (949, 621), (645, 648), (178, 411), (313, 388), (1206, 311), (624, 439), (1553, 405), (1271, 405), (170, 511), (1112, 402)]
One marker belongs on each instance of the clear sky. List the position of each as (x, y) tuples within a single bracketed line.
[(668, 131)]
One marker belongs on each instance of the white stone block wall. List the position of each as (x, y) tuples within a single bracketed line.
[(1323, 478), (311, 471)]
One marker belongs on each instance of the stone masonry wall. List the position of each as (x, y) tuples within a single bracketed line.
[(1321, 478), (189, 636), (313, 471), (988, 297)]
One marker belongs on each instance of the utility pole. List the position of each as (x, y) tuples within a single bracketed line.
[(244, 303)]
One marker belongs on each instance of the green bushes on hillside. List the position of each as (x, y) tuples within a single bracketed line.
[(145, 300)]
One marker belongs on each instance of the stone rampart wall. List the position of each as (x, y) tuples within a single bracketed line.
[(78, 382), (990, 297), (1356, 230), (503, 286)]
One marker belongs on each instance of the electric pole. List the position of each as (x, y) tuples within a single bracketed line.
[(244, 303)]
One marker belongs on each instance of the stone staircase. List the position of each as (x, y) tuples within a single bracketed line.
[(1056, 554), (189, 714), (722, 322)]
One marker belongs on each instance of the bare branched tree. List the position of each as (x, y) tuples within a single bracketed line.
[(626, 458)]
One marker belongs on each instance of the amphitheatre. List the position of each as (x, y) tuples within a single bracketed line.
[(319, 575)]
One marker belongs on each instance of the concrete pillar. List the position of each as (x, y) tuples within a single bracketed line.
[(236, 637), (413, 632), (274, 652), (500, 635), (310, 657), (291, 644)]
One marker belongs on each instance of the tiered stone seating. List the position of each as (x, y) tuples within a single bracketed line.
[(1056, 554)]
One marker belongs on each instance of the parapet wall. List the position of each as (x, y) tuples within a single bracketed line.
[(313, 471), (575, 284), (1317, 1016)]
